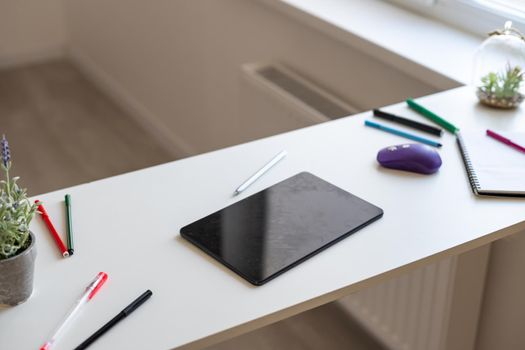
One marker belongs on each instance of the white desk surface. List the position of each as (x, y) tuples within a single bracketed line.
[(128, 227)]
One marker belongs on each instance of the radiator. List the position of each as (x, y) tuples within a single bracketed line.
[(274, 99), (410, 312)]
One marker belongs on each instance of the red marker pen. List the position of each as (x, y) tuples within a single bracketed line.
[(89, 293), (52, 230)]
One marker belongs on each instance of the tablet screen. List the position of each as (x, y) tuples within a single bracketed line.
[(273, 230)]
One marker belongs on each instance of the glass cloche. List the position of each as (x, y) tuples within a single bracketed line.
[(498, 68)]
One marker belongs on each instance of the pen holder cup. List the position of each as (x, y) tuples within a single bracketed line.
[(16, 276)]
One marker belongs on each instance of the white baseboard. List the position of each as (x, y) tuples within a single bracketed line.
[(13, 60), (173, 143)]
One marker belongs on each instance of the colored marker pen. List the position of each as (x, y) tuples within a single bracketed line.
[(89, 293), (52, 229)]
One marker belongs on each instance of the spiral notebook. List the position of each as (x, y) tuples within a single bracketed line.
[(493, 168)]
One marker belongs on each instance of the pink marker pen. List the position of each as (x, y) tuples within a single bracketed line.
[(89, 293)]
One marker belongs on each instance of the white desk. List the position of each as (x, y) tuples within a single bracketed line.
[(128, 226)]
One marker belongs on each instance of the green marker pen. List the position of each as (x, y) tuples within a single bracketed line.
[(69, 217), (432, 116)]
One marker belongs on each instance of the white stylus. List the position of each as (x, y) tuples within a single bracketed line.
[(260, 172)]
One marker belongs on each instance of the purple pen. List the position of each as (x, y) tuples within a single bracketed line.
[(505, 140)]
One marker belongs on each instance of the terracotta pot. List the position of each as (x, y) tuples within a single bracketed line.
[(16, 276)]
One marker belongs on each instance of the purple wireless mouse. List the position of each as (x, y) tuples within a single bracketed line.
[(413, 157)]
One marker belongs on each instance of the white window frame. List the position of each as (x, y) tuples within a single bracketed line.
[(468, 15)]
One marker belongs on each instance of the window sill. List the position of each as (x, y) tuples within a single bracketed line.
[(424, 48)]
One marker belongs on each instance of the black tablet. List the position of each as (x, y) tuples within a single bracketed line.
[(263, 235)]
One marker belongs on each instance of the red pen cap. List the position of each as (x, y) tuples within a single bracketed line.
[(41, 208), (97, 283)]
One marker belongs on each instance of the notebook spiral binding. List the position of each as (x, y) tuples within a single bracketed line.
[(474, 182)]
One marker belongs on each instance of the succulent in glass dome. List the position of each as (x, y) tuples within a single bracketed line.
[(502, 89)]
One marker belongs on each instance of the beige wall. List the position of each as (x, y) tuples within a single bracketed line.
[(31, 30), (181, 60)]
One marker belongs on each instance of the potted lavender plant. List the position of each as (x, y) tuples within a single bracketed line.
[(17, 243)]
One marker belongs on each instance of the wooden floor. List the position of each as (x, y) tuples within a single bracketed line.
[(63, 132)]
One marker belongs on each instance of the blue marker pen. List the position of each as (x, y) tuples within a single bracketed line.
[(402, 133)]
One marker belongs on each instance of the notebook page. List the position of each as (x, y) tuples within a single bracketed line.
[(498, 167)]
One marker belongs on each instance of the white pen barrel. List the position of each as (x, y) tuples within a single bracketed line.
[(261, 172)]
